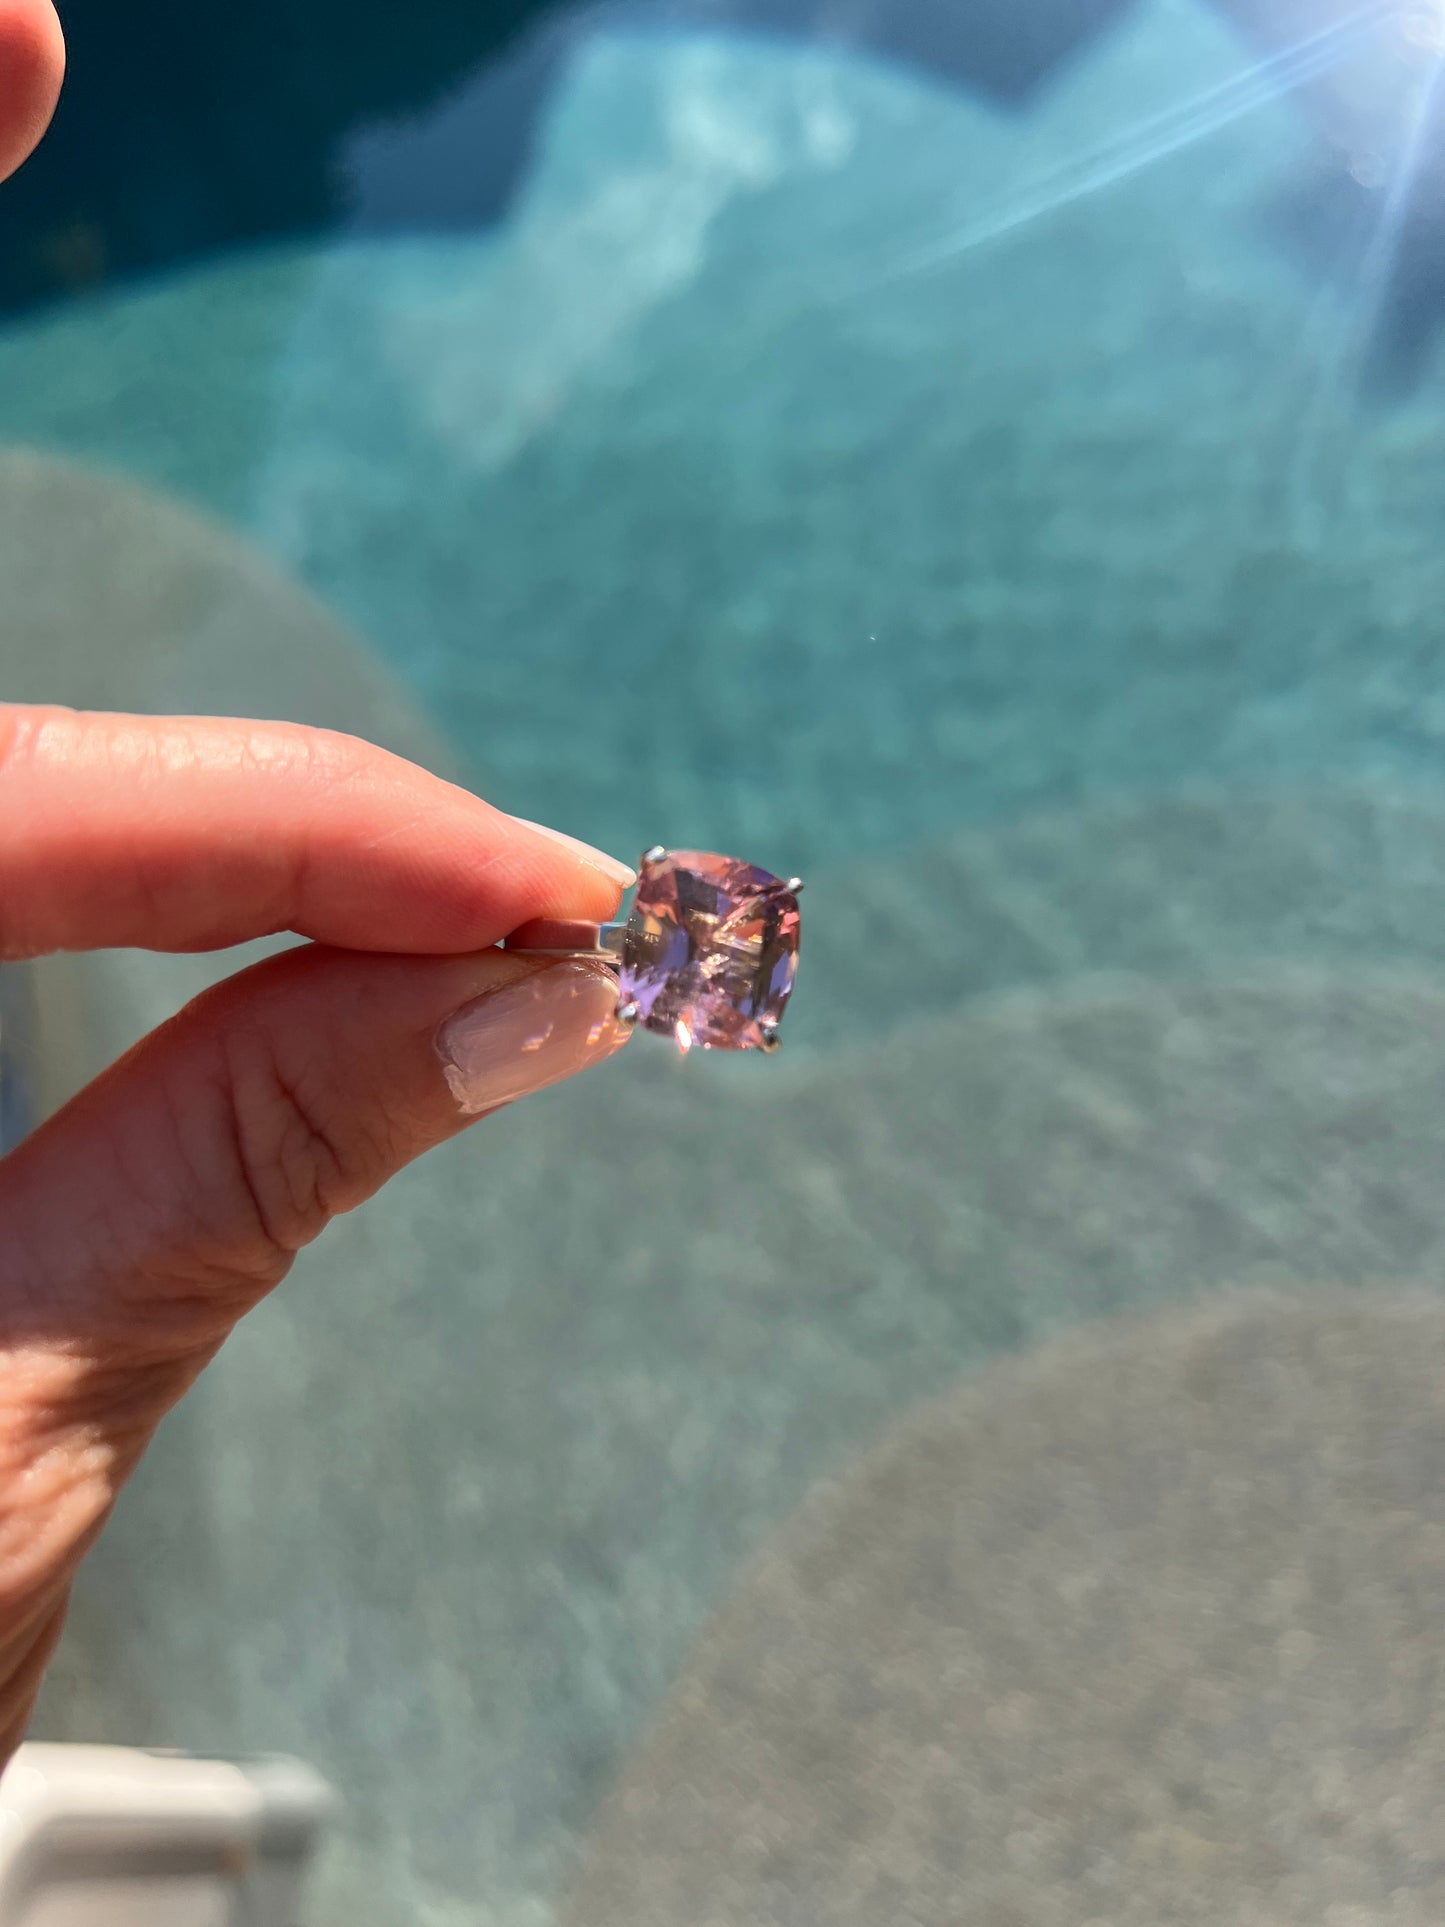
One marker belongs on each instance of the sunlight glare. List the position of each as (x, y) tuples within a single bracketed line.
[(1169, 131)]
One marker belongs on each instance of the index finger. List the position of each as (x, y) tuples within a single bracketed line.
[(32, 61), (192, 833)]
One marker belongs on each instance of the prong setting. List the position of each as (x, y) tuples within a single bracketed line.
[(770, 1038), (654, 855), (795, 886), (628, 1013)]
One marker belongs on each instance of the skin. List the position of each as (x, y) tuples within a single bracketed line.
[(143, 1220), (32, 66)]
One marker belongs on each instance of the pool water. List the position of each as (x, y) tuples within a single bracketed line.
[(769, 445)]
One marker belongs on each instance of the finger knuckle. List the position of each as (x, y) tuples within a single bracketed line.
[(301, 1157)]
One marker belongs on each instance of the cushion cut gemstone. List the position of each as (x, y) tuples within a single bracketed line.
[(710, 952)]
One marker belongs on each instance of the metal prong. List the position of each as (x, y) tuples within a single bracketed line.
[(795, 885), (770, 1037), (654, 855), (628, 1013)]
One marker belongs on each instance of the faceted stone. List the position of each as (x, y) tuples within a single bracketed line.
[(711, 951)]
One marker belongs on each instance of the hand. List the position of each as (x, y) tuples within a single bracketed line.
[(138, 1225), (144, 1219)]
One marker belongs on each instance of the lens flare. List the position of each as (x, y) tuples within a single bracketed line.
[(1167, 132)]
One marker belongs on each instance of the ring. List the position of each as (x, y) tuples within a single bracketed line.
[(706, 956)]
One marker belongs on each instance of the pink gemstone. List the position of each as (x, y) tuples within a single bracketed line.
[(711, 951)]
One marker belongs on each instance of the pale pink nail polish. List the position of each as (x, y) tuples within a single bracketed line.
[(620, 873), (543, 1027)]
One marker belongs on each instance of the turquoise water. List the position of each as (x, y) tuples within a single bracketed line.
[(1049, 593), (685, 508)]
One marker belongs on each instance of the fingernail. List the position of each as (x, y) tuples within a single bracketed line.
[(621, 873), (530, 1033)]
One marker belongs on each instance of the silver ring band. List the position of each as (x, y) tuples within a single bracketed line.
[(552, 937)]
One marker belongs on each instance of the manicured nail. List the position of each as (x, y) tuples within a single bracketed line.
[(621, 873), (532, 1032)]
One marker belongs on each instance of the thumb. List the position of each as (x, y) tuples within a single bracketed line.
[(174, 1192), (144, 1219)]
